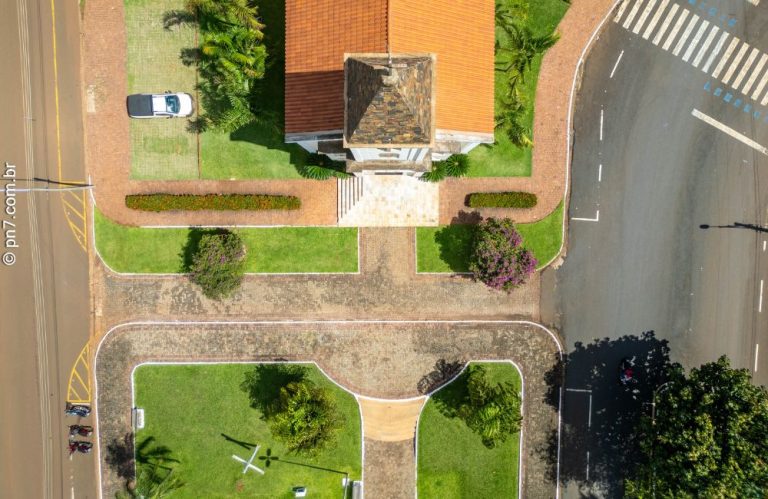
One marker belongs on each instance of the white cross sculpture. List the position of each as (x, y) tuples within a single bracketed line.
[(249, 463)]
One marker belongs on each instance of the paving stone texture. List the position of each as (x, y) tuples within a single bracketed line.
[(385, 360)]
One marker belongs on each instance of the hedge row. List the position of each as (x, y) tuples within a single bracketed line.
[(192, 202), (501, 200)]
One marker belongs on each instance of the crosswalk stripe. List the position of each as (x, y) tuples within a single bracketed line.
[(765, 100), (703, 49), (724, 59), (644, 16), (632, 13), (760, 86), (621, 10), (695, 41), (655, 19), (755, 74), (745, 68), (735, 63), (686, 34), (675, 29), (715, 51), (667, 21)]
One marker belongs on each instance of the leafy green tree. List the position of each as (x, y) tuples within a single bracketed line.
[(709, 437), (218, 264), (493, 412), (499, 258), (305, 418), (230, 59)]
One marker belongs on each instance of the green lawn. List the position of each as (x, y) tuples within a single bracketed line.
[(191, 408), (163, 149), (504, 159), (453, 462), (448, 248), (270, 250)]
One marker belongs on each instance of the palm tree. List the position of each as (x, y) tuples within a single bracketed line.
[(493, 412), (229, 12)]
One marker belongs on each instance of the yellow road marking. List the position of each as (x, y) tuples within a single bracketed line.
[(74, 210), (77, 229), (80, 378), (84, 241)]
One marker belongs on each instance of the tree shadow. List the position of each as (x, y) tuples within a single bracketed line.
[(443, 373), (194, 236), (599, 414), (263, 384), (455, 241), (450, 397), (123, 455)]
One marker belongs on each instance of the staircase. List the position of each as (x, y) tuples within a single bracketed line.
[(350, 190)]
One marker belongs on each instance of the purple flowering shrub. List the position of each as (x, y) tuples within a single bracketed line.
[(498, 257), (218, 264)]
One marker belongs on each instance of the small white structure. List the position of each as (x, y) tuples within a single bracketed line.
[(249, 463), (138, 418)]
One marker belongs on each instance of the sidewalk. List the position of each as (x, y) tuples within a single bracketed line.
[(108, 151), (551, 125)]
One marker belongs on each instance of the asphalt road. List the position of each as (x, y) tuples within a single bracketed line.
[(44, 300), (656, 174)]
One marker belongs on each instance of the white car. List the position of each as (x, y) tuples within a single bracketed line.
[(167, 105)]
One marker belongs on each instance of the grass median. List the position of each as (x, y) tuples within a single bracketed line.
[(203, 418), (269, 249), (448, 248), (452, 460)]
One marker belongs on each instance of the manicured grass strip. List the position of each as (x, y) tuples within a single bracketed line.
[(194, 409), (501, 200), (269, 250), (453, 462), (192, 202), (449, 247), (504, 159)]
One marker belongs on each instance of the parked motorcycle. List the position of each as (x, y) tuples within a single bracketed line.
[(77, 430), (77, 410), (80, 446)]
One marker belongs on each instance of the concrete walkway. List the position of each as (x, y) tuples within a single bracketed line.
[(375, 359)]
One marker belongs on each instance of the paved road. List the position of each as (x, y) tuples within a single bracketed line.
[(44, 304), (657, 174)]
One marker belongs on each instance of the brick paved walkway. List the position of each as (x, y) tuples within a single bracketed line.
[(550, 125), (108, 151), (374, 359)]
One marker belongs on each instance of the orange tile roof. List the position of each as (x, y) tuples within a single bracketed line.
[(319, 32)]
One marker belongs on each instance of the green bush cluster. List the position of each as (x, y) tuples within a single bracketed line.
[(218, 264), (196, 202), (455, 165), (501, 200)]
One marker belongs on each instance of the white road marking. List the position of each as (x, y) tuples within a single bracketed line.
[(596, 219), (715, 51), (644, 16), (764, 245), (617, 64), (730, 131), (745, 68), (621, 10), (686, 34), (760, 302), (675, 29), (735, 63), (601, 125), (765, 100), (632, 13), (600, 174), (655, 19), (726, 55), (760, 86), (695, 42), (589, 418), (757, 352), (705, 46), (755, 73), (754, 2), (587, 465), (580, 390), (665, 25)]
